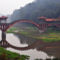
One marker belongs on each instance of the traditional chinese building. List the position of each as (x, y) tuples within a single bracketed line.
[(49, 22)]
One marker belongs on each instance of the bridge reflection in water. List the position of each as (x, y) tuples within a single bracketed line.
[(33, 53)]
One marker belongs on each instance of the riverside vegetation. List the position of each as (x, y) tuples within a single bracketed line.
[(48, 36), (8, 55)]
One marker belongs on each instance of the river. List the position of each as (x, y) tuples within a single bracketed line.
[(33, 53)]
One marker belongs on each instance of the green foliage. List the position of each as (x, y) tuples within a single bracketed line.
[(11, 55), (11, 30), (23, 57)]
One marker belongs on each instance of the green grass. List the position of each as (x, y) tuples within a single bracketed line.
[(49, 37), (11, 55), (24, 33), (11, 30)]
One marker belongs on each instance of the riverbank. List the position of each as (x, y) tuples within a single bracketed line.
[(8, 55), (49, 36)]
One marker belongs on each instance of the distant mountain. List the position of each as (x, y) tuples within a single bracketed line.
[(48, 8)]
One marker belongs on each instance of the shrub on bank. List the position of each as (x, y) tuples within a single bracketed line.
[(8, 55)]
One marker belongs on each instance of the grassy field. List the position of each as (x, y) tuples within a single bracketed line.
[(8, 55), (49, 36)]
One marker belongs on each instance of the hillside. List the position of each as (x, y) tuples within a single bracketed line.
[(48, 8)]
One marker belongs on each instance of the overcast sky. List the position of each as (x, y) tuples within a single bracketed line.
[(8, 6)]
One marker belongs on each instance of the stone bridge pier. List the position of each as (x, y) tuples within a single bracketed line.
[(3, 42)]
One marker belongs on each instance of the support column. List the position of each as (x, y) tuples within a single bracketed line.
[(3, 36), (3, 43)]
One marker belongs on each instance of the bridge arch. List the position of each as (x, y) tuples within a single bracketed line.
[(22, 21)]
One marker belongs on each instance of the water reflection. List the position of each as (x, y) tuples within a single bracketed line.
[(52, 48), (33, 53), (12, 39)]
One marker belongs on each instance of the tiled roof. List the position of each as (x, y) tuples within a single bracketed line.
[(49, 19), (3, 18)]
